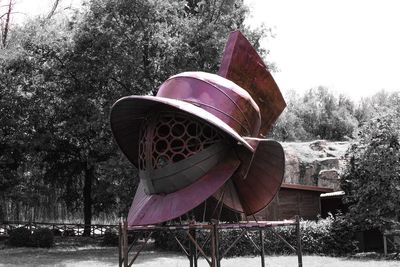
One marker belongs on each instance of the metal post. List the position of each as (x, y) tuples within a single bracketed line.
[(125, 243), (384, 244), (216, 239), (262, 248), (191, 263), (120, 244), (213, 247), (299, 255), (193, 249)]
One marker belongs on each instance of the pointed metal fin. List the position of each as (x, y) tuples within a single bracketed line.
[(242, 65)]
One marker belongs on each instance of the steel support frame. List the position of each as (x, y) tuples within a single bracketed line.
[(195, 249)]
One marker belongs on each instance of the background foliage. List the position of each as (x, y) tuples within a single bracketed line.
[(59, 78), (372, 181), (317, 114)]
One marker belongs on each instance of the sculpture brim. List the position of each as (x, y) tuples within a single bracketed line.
[(128, 113), (158, 208), (257, 189)]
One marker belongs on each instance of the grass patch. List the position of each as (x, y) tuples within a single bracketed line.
[(108, 256)]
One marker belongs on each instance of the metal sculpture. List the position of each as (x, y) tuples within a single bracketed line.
[(199, 137)]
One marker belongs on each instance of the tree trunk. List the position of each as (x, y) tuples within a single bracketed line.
[(2, 208), (87, 200), (7, 23)]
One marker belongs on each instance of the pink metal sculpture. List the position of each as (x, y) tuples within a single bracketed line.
[(199, 138)]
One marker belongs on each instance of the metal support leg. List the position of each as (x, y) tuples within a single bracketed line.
[(213, 248), (262, 248), (384, 245), (125, 243), (190, 256), (215, 259), (120, 244), (200, 249), (215, 228), (192, 249), (299, 249)]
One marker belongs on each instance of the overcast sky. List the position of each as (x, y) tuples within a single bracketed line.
[(352, 47), (349, 46), (29, 8)]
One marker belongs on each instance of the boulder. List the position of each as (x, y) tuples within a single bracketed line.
[(317, 163), (329, 179)]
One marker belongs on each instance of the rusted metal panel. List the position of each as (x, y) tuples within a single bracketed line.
[(242, 65)]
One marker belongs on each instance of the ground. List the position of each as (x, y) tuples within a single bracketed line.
[(91, 255)]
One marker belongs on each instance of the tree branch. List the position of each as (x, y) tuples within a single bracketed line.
[(53, 10)]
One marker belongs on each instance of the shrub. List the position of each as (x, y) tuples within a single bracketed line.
[(56, 232), (68, 232), (342, 237), (110, 238), (20, 237), (43, 238)]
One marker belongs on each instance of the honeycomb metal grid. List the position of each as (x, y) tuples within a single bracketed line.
[(170, 137)]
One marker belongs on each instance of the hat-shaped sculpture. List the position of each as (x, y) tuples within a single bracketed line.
[(198, 137)]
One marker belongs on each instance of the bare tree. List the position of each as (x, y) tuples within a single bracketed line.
[(6, 22), (53, 9)]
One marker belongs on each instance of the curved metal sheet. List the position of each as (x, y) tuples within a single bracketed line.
[(128, 113), (157, 208), (251, 193), (217, 95), (178, 175)]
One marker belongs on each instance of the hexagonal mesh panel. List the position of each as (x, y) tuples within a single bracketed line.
[(171, 137)]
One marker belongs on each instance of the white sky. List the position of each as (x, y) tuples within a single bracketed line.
[(349, 46), (27, 8), (352, 46)]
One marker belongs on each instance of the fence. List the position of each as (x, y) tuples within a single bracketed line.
[(62, 229)]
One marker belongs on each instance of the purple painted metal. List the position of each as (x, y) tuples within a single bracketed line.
[(157, 208), (242, 65), (218, 96), (255, 190), (128, 114), (256, 166)]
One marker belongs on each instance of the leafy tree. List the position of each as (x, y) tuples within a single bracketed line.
[(317, 114), (380, 103), (71, 72), (289, 126), (13, 136), (324, 118), (372, 182)]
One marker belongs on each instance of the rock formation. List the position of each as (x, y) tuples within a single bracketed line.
[(317, 163)]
